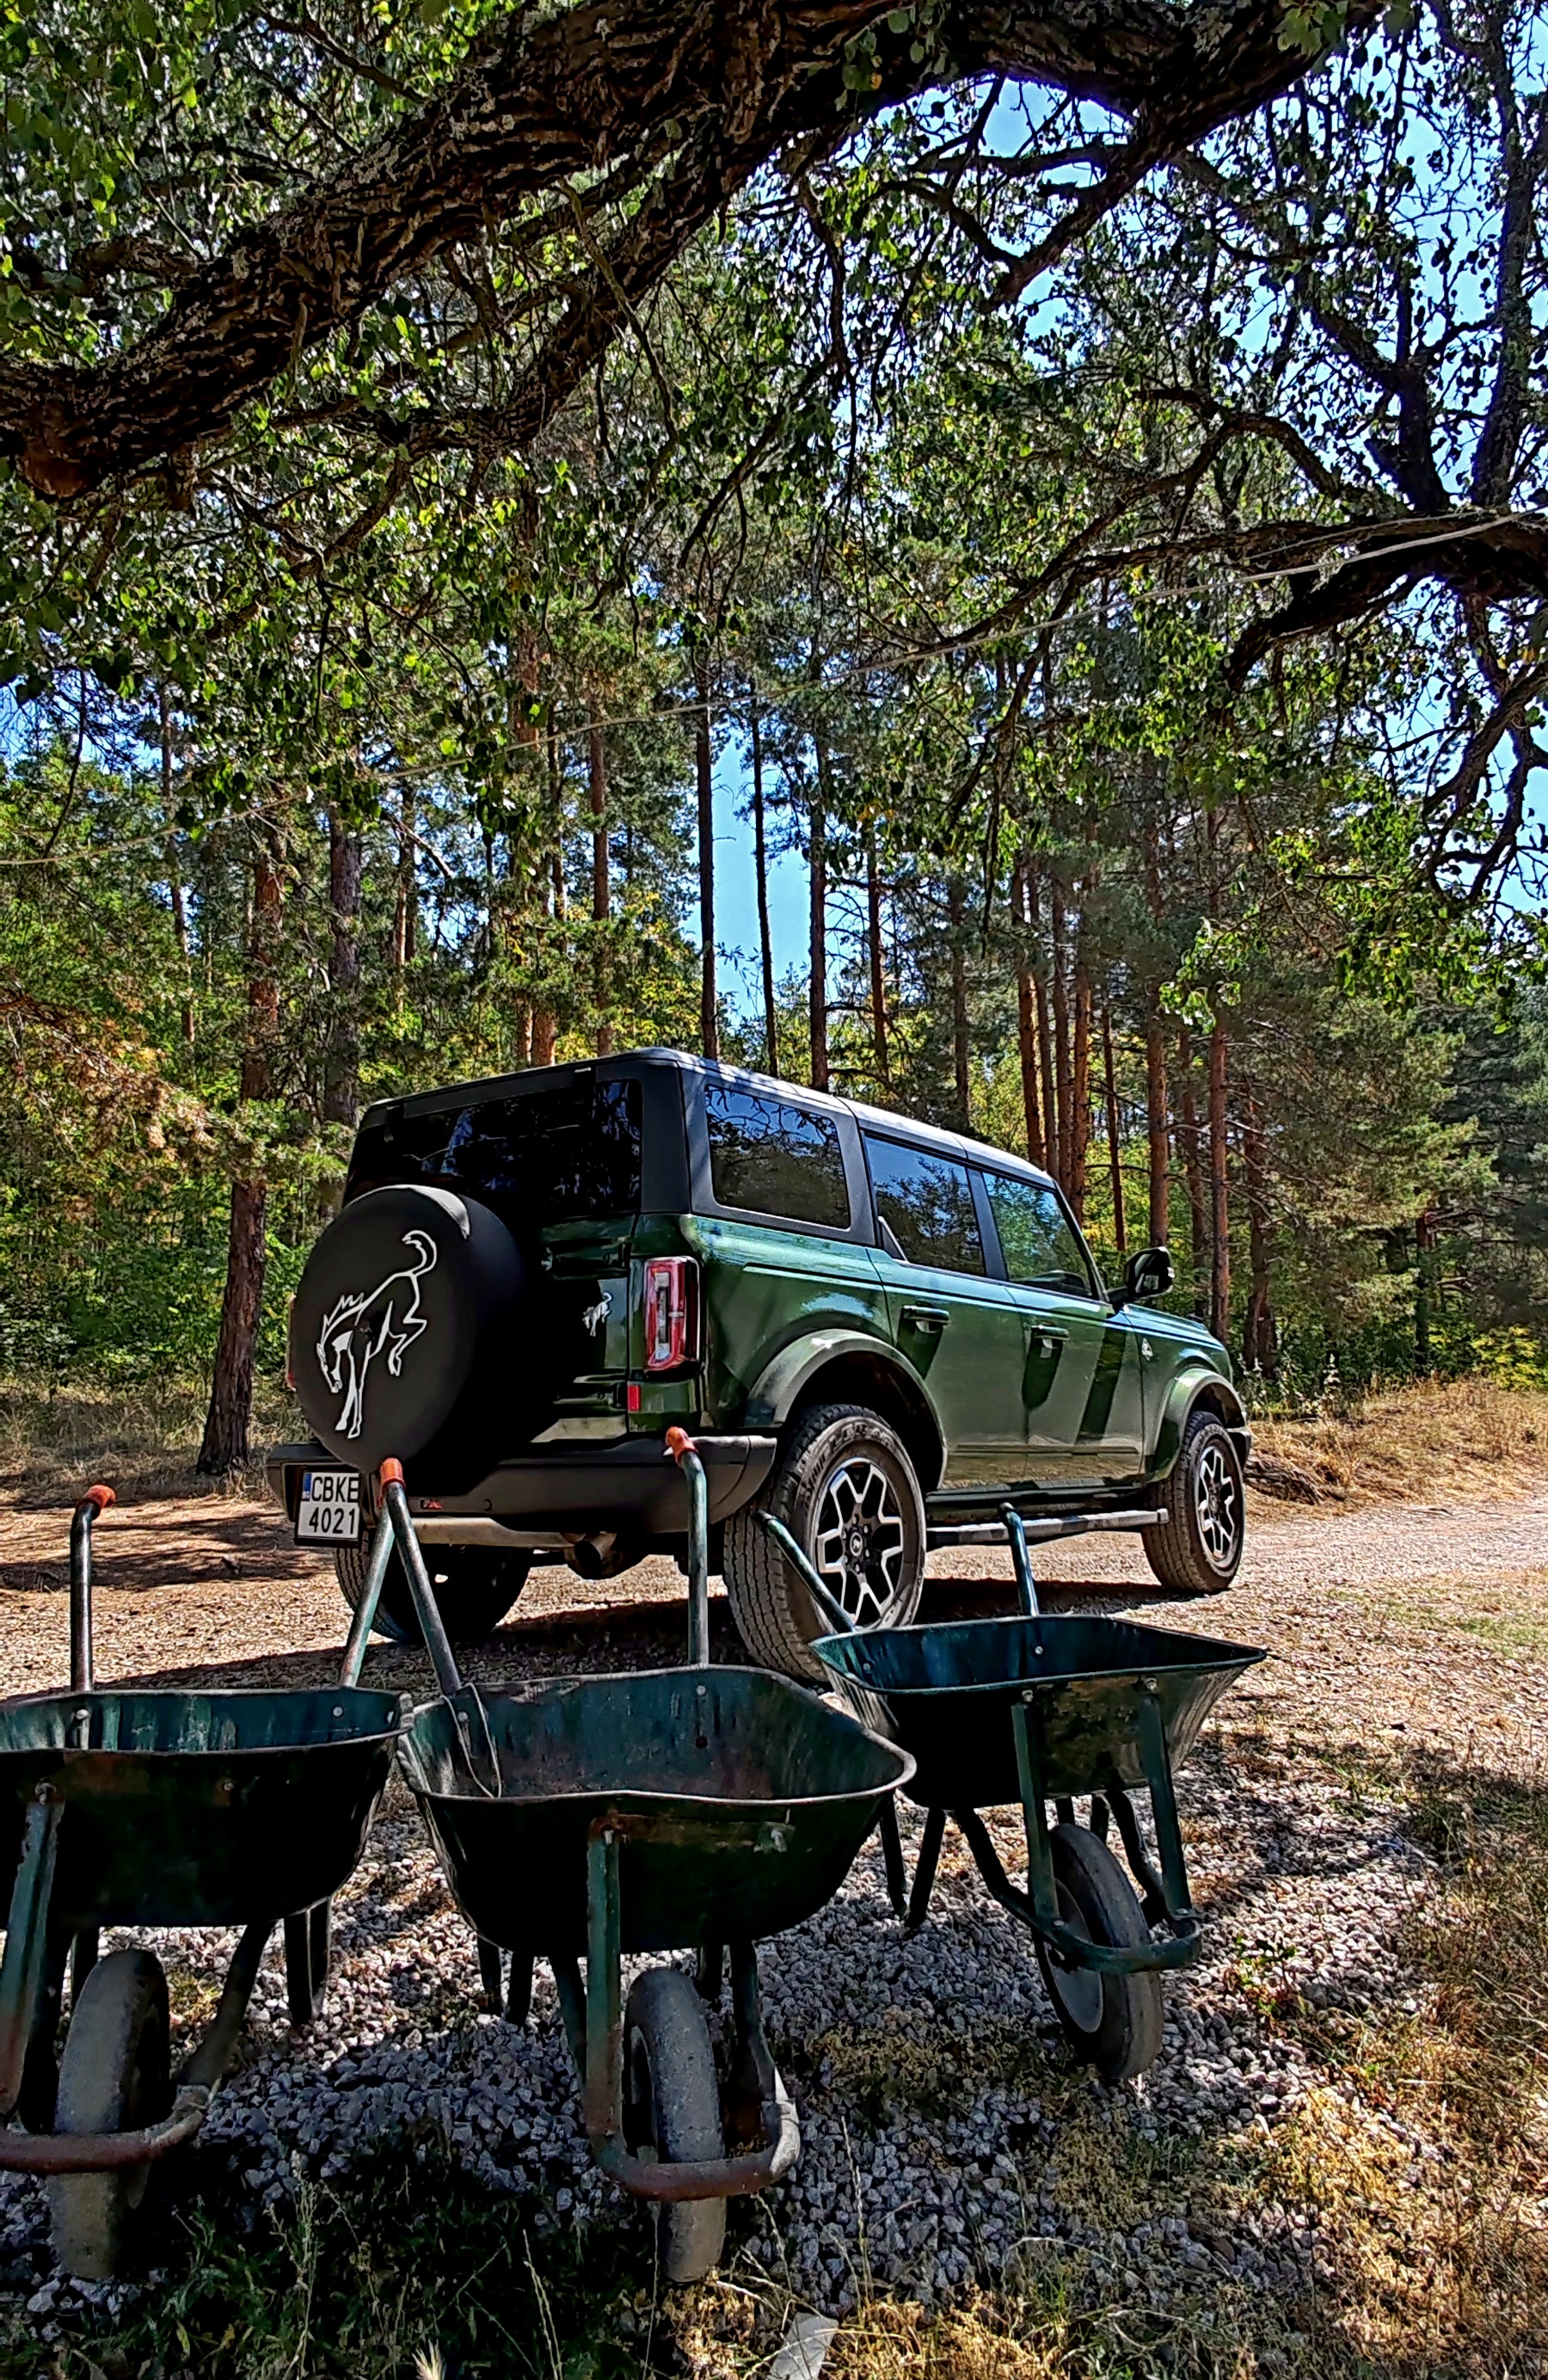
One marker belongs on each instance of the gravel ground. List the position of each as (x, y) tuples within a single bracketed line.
[(947, 2139)]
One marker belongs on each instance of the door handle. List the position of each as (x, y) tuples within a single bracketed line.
[(1051, 1340), (926, 1318)]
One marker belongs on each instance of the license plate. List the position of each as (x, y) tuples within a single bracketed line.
[(329, 1512)]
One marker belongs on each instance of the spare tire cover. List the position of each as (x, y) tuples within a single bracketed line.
[(399, 1297)]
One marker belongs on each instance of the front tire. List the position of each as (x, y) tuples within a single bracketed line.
[(1197, 1548), (846, 1491), (671, 2112), (474, 1587)]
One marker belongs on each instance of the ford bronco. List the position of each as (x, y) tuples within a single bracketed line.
[(876, 1329)]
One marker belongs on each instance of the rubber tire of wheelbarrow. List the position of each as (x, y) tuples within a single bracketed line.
[(112, 2078), (1096, 1897), (477, 1586), (1174, 1549), (671, 2108), (770, 1607)]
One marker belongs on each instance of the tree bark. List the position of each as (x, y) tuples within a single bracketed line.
[(957, 925), (174, 876), (601, 887), (405, 904), (878, 963), (551, 100), (1026, 1016), (709, 1010), (1219, 1218), (229, 1418), (1079, 1083), (760, 865), (818, 849), (1192, 1170), (341, 1096), (1114, 1153), (1064, 1081), (1260, 1338), (1157, 1119)]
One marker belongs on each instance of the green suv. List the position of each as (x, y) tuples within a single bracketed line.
[(879, 1330)]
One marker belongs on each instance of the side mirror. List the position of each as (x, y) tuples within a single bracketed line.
[(1148, 1273)]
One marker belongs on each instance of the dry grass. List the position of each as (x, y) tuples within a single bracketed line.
[(1438, 1441), (145, 1439)]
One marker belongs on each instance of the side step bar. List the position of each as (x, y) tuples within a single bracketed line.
[(1039, 1533)]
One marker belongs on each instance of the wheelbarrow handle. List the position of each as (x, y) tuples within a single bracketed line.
[(687, 1456), (829, 1609), (95, 1502)]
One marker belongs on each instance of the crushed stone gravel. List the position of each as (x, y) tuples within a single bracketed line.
[(946, 2138)]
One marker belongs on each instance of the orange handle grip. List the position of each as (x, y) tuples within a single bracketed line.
[(390, 1473), (101, 1498), (679, 1443)]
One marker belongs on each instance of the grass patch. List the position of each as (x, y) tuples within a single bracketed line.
[(1452, 1440), (145, 1440)]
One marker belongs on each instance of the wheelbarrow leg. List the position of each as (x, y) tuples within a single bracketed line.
[(925, 1874), (892, 1856), (307, 1949), (84, 1951), (709, 1971), (31, 1972), (491, 1974)]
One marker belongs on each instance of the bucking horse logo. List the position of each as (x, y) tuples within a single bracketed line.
[(358, 1328)]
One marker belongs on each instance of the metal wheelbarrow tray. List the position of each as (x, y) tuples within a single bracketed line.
[(136, 1807), (1036, 1709), (697, 1809)]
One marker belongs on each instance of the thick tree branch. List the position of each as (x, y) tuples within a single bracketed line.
[(543, 99)]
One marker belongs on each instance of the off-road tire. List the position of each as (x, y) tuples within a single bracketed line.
[(672, 2111), (1111, 2021), (1197, 1548), (474, 1587), (771, 1609), (112, 2078)]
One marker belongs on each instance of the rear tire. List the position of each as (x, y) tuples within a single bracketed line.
[(672, 2111), (1197, 1548), (845, 1488), (112, 2078), (474, 1587), (1111, 2021)]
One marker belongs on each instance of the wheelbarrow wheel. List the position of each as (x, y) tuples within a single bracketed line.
[(112, 2078), (672, 2111), (1111, 2021)]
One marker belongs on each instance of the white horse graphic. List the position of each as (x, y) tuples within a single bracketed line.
[(355, 1331)]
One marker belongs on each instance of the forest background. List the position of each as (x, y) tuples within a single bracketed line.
[(1138, 639)]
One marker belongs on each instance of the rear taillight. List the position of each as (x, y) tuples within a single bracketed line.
[(672, 1313)]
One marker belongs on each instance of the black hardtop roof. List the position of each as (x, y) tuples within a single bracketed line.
[(534, 1078)]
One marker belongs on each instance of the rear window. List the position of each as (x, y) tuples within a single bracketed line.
[(926, 1202), (552, 1157), (774, 1158)]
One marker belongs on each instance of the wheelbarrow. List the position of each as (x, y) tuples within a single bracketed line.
[(693, 1808), (1035, 1709), (126, 1807)]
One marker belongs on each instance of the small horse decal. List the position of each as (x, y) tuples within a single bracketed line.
[(359, 1327), (594, 1319)]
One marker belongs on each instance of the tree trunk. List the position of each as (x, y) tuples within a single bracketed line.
[(878, 963), (957, 923), (1156, 1122), (1115, 1154), (1064, 1087), (174, 878), (709, 1011), (817, 846), (601, 887), (405, 905), (341, 1094), (1424, 1244), (1026, 1016), (1219, 1218), (760, 864), (1260, 1339), (1080, 1085), (1192, 1169), (229, 1419)]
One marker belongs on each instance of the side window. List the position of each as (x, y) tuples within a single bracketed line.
[(1041, 1246), (774, 1158), (926, 1202)]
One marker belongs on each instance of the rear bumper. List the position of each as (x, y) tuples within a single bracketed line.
[(558, 1495)]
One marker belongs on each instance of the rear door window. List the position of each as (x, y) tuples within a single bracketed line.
[(926, 1202), (558, 1155), (770, 1157), (1040, 1245)]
